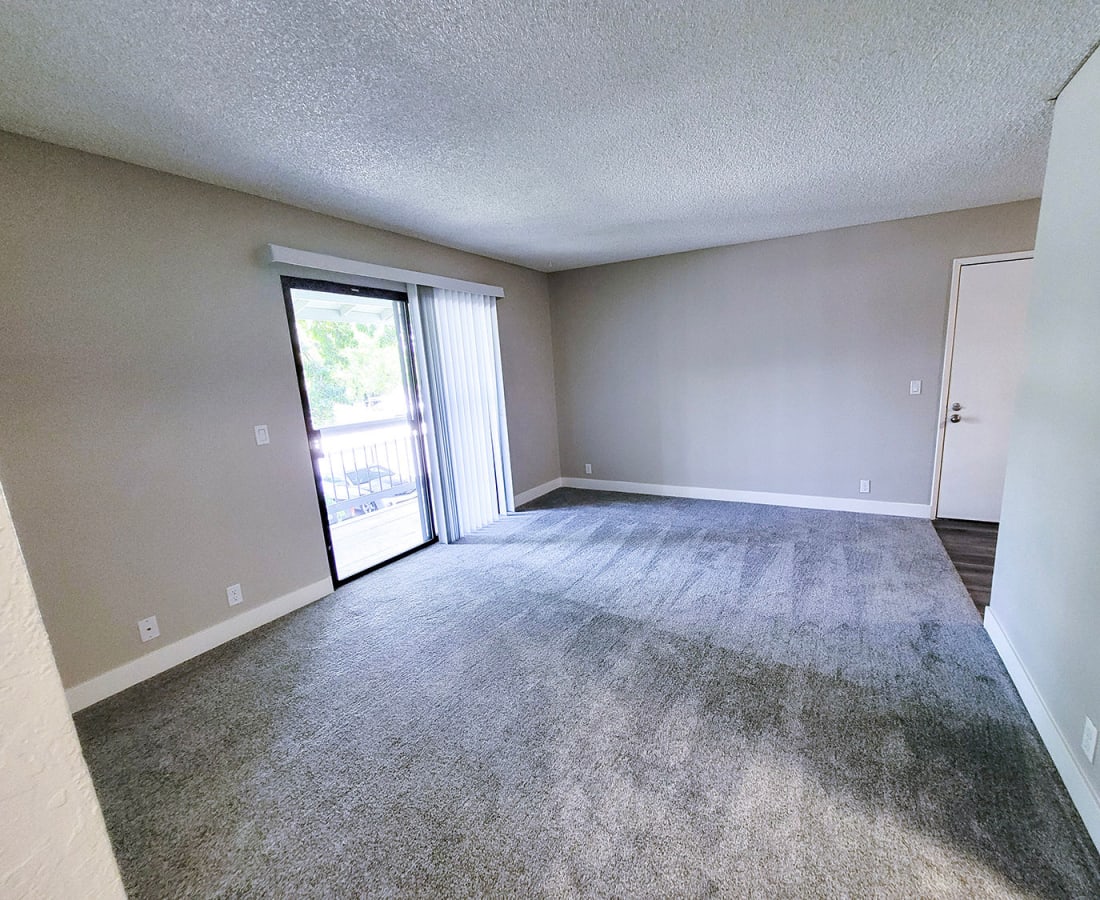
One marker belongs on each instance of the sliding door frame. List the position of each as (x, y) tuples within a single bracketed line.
[(415, 405)]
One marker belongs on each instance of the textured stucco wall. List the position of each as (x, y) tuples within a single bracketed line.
[(52, 840)]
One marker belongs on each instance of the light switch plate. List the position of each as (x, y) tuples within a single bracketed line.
[(914, 387), (262, 436)]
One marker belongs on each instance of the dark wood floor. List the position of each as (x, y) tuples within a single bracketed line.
[(971, 546)]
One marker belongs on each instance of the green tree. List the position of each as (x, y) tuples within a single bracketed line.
[(345, 363)]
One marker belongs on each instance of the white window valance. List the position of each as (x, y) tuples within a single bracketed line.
[(336, 265)]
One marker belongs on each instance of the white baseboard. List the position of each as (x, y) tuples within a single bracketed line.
[(534, 493), (1062, 751), (800, 501), (164, 658)]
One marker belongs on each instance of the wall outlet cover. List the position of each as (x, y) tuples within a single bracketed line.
[(1088, 740), (234, 594), (864, 486), (588, 468), (914, 387), (148, 628)]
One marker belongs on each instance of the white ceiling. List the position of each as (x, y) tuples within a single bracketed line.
[(560, 134)]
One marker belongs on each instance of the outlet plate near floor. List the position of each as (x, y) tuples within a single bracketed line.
[(864, 486), (234, 594), (148, 628), (1088, 740)]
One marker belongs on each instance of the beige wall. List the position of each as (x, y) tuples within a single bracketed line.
[(53, 843), (1047, 574), (780, 366), (142, 339)]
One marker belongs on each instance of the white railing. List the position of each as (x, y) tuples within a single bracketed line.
[(367, 466)]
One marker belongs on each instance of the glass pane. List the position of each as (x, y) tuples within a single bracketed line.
[(356, 365)]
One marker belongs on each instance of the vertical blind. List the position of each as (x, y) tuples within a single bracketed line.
[(461, 348)]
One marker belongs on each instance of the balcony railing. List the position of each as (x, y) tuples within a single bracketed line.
[(367, 466)]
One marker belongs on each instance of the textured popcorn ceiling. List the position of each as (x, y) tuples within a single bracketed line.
[(559, 134)]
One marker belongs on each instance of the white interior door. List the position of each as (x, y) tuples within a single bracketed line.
[(985, 364)]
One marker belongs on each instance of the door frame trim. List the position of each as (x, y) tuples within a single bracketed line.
[(957, 266)]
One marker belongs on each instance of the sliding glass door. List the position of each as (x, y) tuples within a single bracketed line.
[(362, 412)]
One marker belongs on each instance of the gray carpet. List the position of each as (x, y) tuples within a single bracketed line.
[(608, 696)]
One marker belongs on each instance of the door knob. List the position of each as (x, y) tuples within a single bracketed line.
[(956, 418), (956, 406)]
